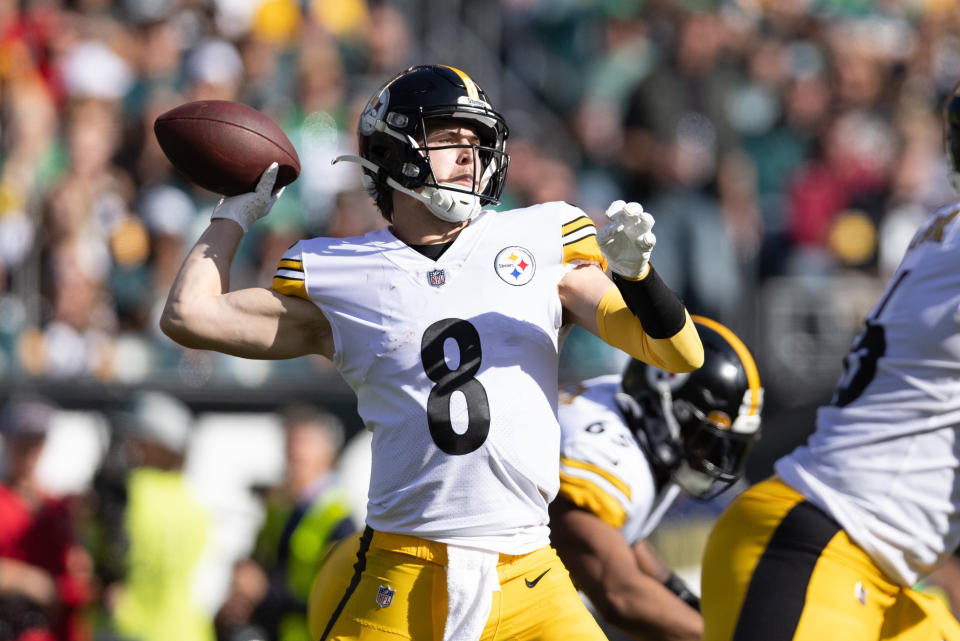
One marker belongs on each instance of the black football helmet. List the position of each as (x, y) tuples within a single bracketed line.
[(697, 428), (393, 147), (951, 136)]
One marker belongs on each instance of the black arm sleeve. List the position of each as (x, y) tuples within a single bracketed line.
[(660, 311)]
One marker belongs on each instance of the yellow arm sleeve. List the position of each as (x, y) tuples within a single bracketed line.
[(619, 327)]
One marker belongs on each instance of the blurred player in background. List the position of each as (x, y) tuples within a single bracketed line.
[(447, 324), (831, 546), (629, 446)]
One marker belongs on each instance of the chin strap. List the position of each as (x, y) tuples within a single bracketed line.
[(453, 207)]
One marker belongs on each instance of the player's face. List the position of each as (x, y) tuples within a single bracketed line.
[(454, 164)]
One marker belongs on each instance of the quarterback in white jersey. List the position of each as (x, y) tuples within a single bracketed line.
[(629, 446), (421, 347), (447, 324), (871, 504)]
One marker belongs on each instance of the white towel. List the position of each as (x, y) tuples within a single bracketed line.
[(471, 581)]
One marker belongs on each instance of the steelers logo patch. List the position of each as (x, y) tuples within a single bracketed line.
[(374, 111), (515, 265)]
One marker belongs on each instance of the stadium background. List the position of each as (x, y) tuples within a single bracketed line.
[(787, 150)]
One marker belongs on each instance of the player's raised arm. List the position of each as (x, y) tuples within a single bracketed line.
[(201, 312), (636, 312)]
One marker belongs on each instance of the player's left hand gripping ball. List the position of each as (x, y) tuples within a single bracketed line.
[(246, 209), (626, 240)]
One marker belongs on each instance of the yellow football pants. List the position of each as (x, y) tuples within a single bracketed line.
[(776, 568), (347, 597)]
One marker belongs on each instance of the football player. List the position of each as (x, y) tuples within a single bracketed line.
[(830, 547), (629, 446), (447, 324)]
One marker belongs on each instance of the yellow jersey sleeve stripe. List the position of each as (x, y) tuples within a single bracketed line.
[(588, 496), (290, 263), (290, 287), (753, 376), (599, 471), (574, 225), (584, 250), (467, 82)]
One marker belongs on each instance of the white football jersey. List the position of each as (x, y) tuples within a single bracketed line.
[(883, 461), (602, 468), (454, 363)]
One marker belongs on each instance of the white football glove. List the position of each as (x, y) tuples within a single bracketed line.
[(248, 208), (626, 240)]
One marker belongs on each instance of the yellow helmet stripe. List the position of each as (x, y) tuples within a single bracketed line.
[(753, 376), (468, 83)]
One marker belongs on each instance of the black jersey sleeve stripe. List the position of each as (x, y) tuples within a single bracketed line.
[(578, 240), (290, 263), (577, 225), (581, 216)]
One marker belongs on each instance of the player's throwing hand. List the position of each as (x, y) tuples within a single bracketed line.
[(626, 240), (248, 208)]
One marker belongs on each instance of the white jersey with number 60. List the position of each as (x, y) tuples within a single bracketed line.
[(884, 459), (454, 363)]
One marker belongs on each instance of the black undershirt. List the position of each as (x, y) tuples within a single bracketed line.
[(433, 252)]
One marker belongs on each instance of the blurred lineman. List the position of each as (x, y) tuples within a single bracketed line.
[(831, 546), (629, 447), (447, 324)]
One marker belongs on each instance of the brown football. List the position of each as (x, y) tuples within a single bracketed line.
[(224, 146)]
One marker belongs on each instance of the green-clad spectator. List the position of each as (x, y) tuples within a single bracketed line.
[(305, 516)]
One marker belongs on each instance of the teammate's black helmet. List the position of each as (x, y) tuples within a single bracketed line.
[(699, 427), (392, 139), (951, 136)]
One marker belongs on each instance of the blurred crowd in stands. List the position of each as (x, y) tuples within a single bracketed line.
[(793, 141), (796, 138)]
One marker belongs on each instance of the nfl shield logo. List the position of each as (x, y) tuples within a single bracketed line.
[(385, 596), (436, 277)]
